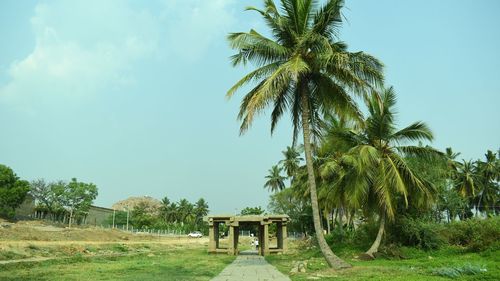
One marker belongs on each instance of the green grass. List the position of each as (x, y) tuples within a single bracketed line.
[(169, 264), (417, 265)]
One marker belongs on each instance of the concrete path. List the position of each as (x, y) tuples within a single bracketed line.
[(250, 267)]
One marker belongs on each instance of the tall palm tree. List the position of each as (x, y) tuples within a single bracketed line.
[(488, 176), (373, 173), (291, 163), (185, 211), (200, 210), (303, 67), (275, 181), (450, 157), (466, 179), (164, 208)]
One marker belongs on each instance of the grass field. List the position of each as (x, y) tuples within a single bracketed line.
[(168, 264), (94, 254), (417, 265)]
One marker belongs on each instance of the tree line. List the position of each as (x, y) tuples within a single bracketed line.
[(354, 164), (60, 201), (63, 201), (182, 216), (364, 174)]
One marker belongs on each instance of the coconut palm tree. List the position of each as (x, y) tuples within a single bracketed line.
[(275, 181), (466, 179), (200, 210), (291, 163), (373, 174), (451, 163), (488, 187), (304, 68)]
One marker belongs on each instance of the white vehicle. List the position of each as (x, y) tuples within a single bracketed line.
[(195, 234)]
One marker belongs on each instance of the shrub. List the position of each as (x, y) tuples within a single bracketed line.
[(337, 236), (416, 233), (365, 234), (475, 234)]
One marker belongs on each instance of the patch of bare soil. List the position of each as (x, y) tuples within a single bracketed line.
[(30, 241), (42, 231)]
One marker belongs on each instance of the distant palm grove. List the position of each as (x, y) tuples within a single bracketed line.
[(358, 176)]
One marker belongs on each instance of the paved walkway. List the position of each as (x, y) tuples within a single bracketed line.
[(250, 267)]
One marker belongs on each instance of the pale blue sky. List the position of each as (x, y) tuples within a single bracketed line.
[(129, 95)]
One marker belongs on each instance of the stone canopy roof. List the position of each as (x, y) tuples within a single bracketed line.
[(236, 219)]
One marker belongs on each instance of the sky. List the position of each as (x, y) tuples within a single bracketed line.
[(130, 95)]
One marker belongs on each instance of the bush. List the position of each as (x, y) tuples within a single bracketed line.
[(475, 234), (416, 233), (365, 234), (352, 240), (337, 236)]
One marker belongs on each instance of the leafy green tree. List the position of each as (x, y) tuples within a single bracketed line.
[(141, 217), (306, 69), (275, 181), (76, 197), (297, 208), (252, 211), (120, 218), (13, 191), (43, 195), (381, 175)]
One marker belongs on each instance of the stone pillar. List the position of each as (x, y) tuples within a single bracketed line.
[(261, 240), (284, 233), (279, 235), (212, 240), (216, 234), (236, 238), (265, 242), (230, 241)]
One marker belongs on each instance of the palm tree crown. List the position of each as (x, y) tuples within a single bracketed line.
[(376, 153), (303, 60), (291, 163), (275, 181)]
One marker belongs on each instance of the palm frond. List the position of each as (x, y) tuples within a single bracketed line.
[(259, 73), (256, 48), (414, 132), (328, 19)]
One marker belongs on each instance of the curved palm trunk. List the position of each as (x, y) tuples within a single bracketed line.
[(376, 244), (334, 261)]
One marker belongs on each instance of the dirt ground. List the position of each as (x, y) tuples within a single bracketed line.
[(37, 240)]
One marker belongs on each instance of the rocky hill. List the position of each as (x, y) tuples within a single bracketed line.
[(152, 204)]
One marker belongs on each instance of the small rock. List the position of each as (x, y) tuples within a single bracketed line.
[(151, 255)]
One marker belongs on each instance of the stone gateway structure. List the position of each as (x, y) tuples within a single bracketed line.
[(263, 223)]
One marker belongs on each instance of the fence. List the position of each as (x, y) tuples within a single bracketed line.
[(151, 231)]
